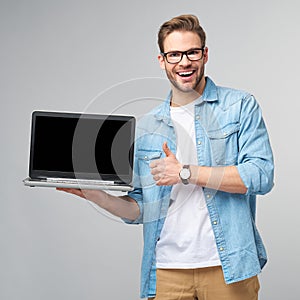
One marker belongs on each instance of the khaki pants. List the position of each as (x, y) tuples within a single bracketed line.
[(202, 284)]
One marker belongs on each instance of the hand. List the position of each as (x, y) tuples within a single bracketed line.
[(123, 206), (165, 171), (92, 195)]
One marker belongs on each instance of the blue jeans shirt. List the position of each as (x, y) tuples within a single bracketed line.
[(229, 131)]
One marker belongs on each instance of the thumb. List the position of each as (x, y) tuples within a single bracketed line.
[(167, 150)]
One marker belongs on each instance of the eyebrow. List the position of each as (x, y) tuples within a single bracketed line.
[(194, 48)]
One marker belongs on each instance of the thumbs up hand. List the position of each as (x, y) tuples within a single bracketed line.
[(165, 171)]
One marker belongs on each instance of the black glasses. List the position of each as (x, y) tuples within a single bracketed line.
[(174, 57)]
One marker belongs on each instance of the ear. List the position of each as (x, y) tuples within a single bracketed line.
[(161, 61), (205, 55)]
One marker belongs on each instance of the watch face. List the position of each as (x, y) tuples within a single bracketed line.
[(185, 173)]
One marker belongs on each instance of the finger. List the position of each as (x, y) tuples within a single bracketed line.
[(154, 163), (157, 168), (156, 177), (154, 171), (166, 149), (67, 190), (76, 192)]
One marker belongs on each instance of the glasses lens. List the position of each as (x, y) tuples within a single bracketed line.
[(174, 57), (195, 54)]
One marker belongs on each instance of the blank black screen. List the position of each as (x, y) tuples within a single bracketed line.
[(82, 145)]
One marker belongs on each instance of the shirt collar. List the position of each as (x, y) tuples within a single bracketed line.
[(209, 95), (210, 91)]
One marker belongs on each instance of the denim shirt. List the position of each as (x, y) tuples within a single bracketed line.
[(229, 131)]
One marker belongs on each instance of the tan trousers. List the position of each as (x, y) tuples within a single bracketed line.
[(202, 284)]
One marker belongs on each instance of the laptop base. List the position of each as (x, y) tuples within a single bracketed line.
[(77, 185)]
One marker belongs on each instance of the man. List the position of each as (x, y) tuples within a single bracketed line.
[(202, 156)]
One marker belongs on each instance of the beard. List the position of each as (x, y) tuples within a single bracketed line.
[(186, 88)]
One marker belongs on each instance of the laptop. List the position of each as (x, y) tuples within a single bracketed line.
[(84, 151)]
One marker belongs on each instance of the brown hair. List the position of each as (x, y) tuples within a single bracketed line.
[(180, 23)]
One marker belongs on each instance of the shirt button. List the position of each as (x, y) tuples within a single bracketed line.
[(199, 142), (197, 117), (215, 222), (208, 195), (221, 248), (145, 157)]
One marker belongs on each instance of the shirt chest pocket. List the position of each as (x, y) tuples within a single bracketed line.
[(144, 158), (224, 145)]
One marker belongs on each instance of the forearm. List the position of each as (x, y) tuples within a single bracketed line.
[(123, 207), (166, 171), (226, 179)]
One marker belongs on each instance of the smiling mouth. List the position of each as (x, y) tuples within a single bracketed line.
[(185, 73)]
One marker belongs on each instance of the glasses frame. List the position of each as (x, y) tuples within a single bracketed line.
[(164, 54)]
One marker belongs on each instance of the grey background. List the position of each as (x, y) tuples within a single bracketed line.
[(101, 56)]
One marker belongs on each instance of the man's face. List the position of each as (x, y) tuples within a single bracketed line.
[(186, 75)]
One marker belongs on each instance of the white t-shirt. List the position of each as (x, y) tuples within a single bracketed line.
[(187, 239)]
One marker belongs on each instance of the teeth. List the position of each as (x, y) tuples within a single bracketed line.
[(185, 73)]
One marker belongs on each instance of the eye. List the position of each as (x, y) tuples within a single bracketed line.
[(174, 54), (194, 52)]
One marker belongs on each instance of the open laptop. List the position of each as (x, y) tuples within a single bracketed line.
[(84, 151)]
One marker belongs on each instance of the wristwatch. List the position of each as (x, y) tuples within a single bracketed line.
[(185, 174)]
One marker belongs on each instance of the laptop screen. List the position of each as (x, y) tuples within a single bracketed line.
[(68, 145)]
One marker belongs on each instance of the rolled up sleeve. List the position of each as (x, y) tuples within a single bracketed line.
[(137, 193), (255, 159)]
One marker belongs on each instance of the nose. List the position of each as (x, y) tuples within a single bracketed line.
[(184, 61)]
